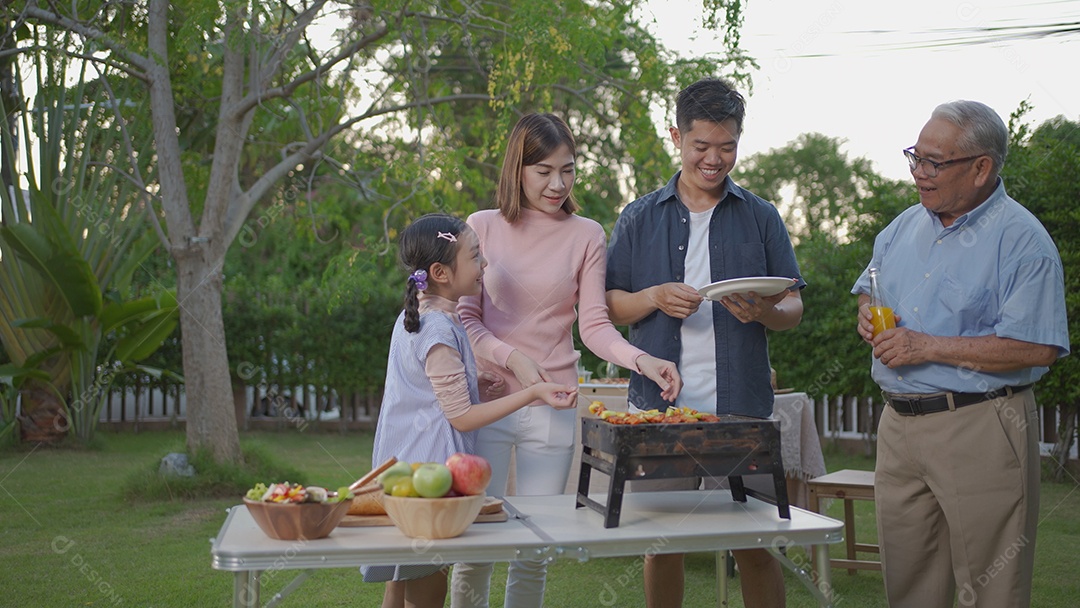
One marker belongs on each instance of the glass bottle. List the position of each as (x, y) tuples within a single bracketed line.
[(881, 316)]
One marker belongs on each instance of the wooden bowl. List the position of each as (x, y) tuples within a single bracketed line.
[(297, 521), (433, 517)]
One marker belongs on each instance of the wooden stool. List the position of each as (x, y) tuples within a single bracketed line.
[(847, 485)]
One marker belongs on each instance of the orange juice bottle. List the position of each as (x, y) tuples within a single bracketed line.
[(882, 316)]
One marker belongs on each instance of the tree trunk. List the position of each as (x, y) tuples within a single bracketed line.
[(240, 404), (211, 419), (1066, 431), (44, 419)]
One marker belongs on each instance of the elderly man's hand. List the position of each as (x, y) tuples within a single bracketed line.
[(902, 346), (865, 325), (677, 300)]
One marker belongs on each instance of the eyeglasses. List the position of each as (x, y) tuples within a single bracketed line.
[(931, 168)]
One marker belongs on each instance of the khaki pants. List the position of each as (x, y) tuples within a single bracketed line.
[(957, 504)]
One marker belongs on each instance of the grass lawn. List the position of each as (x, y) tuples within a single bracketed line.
[(69, 539)]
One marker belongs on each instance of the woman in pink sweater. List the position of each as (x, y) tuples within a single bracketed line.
[(546, 267)]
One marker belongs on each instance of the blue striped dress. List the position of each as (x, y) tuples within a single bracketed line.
[(411, 425)]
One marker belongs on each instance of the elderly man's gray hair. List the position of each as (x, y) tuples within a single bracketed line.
[(982, 130)]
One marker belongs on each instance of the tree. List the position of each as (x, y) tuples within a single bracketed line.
[(1042, 174), (67, 308), (818, 189), (833, 207), (251, 79)]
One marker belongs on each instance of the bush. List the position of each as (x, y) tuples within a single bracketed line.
[(212, 479)]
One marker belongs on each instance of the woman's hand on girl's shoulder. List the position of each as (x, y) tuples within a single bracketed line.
[(558, 396)]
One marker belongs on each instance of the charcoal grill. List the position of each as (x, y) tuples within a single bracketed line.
[(733, 447)]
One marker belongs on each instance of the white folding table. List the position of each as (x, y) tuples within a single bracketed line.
[(539, 527)]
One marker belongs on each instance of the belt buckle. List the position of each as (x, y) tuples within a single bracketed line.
[(916, 406)]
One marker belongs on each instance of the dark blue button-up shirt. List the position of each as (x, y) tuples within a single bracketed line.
[(747, 238)]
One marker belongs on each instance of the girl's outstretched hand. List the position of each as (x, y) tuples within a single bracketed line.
[(491, 385), (558, 396), (663, 373)]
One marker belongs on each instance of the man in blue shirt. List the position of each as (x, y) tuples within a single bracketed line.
[(977, 287), (698, 229)]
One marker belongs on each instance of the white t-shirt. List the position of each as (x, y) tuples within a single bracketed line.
[(697, 364)]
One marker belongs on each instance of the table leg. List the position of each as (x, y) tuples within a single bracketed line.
[(722, 557), (812, 505), (615, 495), (824, 578), (849, 531), (797, 492), (819, 586), (738, 490), (783, 500), (584, 478), (246, 589), (292, 586)]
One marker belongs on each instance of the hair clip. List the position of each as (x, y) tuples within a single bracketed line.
[(420, 278), (448, 236)]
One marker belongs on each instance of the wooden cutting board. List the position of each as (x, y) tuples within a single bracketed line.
[(360, 521)]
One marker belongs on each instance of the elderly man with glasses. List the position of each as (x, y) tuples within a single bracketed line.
[(977, 288)]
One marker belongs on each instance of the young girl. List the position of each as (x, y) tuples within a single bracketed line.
[(547, 268), (430, 406)]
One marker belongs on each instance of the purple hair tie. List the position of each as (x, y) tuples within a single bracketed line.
[(420, 278)]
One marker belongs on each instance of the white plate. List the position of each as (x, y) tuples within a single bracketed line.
[(763, 286)]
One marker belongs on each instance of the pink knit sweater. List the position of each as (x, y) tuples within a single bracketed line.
[(538, 269)]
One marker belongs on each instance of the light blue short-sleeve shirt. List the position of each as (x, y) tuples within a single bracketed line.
[(994, 271)]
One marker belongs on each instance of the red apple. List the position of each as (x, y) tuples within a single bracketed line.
[(471, 473)]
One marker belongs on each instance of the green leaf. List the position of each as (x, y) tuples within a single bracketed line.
[(68, 337), (117, 314), (148, 336), (35, 360), (14, 375), (65, 270)]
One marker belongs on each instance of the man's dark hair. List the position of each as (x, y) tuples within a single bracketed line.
[(711, 99)]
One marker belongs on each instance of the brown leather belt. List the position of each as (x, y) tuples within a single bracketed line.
[(917, 405)]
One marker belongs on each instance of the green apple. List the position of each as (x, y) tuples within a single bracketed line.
[(391, 476), (432, 480)]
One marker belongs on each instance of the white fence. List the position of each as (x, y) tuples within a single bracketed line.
[(155, 405), (847, 419)]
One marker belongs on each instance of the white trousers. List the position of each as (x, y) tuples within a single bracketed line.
[(542, 441)]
